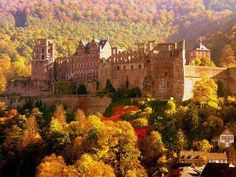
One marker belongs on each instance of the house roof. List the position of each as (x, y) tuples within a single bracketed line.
[(215, 170), (231, 172), (102, 43), (201, 47), (195, 155), (221, 131)]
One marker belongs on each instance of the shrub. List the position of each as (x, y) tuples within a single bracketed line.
[(140, 123)]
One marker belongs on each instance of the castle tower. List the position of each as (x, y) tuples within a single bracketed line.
[(200, 51), (42, 63)]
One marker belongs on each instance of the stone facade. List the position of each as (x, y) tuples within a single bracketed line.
[(200, 51), (159, 70)]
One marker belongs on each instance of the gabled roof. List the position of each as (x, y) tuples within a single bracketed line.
[(201, 47), (195, 155), (101, 43), (221, 131), (215, 170)]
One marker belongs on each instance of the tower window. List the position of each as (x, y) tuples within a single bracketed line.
[(118, 68), (132, 67), (166, 73), (124, 67), (139, 66), (43, 57)]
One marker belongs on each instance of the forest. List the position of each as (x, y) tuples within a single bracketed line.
[(133, 138)]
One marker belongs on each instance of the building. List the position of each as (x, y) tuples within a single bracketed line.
[(223, 138), (160, 70), (201, 158), (200, 51)]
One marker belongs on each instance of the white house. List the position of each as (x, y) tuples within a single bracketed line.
[(224, 138)]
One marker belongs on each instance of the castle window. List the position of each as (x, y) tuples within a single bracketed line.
[(43, 57), (139, 66), (124, 67), (132, 67), (166, 73), (118, 68)]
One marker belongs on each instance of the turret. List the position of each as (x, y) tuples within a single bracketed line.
[(42, 63)]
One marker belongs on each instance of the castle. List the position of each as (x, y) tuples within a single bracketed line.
[(161, 70)]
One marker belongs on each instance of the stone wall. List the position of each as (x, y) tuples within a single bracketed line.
[(29, 87), (90, 104), (232, 80), (195, 73)]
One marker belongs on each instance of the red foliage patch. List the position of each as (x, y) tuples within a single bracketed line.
[(118, 111)]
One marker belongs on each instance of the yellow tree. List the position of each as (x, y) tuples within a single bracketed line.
[(205, 92), (3, 82)]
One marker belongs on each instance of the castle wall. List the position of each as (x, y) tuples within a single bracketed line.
[(165, 71), (90, 104), (195, 73), (28, 87), (232, 80)]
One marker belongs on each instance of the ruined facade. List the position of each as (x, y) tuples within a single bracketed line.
[(160, 70)]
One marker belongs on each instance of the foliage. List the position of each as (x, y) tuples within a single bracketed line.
[(65, 87), (205, 92), (140, 123), (82, 89), (203, 145), (180, 141), (227, 57), (204, 62), (3, 82)]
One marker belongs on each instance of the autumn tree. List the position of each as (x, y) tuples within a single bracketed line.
[(205, 92), (55, 166), (3, 82), (203, 145), (227, 56), (87, 166), (153, 147), (31, 134), (180, 141)]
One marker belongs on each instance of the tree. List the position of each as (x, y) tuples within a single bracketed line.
[(109, 87), (3, 82), (205, 92), (82, 89), (227, 57), (170, 107), (87, 166), (203, 145), (180, 141), (55, 166), (204, 62), (153, 147), (31, 134), (212, 125)]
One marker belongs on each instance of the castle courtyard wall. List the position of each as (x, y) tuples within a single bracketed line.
[(195, 73)]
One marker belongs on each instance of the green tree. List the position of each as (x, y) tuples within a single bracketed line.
[(82, 89), (109, 87)]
